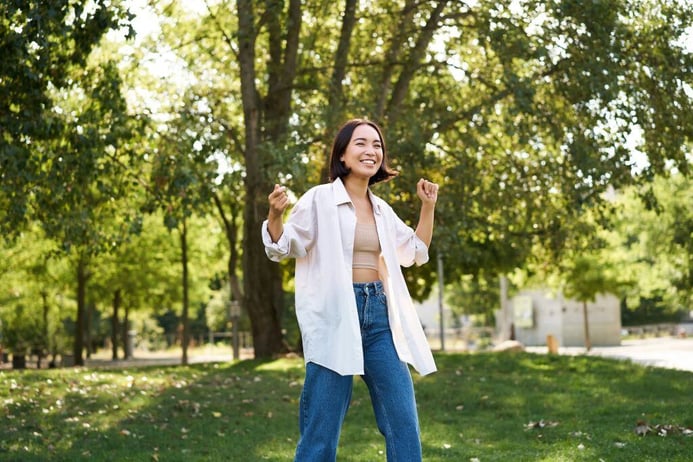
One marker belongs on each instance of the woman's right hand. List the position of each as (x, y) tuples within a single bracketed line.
[(278, 201)]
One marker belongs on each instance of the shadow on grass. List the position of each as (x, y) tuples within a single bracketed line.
[(477, 405), (528, 407), (202, 412)]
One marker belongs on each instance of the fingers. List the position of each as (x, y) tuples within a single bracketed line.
[(278, 199), (427, 189)]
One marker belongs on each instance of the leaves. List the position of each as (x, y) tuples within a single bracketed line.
[(47, 45), (642, 428), (540, 424)]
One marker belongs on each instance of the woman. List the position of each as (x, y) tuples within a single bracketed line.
[(353, 307)]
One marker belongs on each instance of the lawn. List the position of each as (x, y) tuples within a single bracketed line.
[(479, 407)]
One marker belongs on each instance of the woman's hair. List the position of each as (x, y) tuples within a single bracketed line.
[(341, 141)]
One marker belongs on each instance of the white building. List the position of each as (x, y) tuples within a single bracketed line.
[(537, 314)]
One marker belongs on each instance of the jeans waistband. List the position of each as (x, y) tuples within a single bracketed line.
[(369, 288)]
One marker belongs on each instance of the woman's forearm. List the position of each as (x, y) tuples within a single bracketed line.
[(275, 227), (424, 230)]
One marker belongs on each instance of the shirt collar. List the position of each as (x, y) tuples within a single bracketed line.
[(341, 196)]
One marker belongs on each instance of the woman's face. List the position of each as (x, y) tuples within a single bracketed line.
[(364, 154)]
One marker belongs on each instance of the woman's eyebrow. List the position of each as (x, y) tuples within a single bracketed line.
[(375, 140)]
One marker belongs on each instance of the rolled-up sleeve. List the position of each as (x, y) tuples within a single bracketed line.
[(298, 233), (410, 249), (276, 251)]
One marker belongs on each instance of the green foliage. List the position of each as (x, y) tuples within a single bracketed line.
[(20, 330), (184, 168), (47, 46), (638, 248), (474, 294), (33, 299), (493, 407), (655, 241), (588, 275), (524, 112)]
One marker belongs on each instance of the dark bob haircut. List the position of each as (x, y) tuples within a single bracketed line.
[(341, 141)]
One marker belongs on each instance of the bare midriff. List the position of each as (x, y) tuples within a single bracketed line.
[(364, 275)]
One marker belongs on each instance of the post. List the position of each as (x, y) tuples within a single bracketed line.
[(507, 330), (440, 302), (234, 315)]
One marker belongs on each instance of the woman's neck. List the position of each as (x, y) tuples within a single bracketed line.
[(356, 187), (358, 192)]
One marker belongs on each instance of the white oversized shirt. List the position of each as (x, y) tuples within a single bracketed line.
[(319, 234)]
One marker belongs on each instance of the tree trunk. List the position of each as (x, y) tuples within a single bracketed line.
[(263, 291), (114, 325), (78, 346), (399, 38), (87, 328), (412, 65), (335, 93), (262, 282), (44, 345), (127, 347), (185, 317), (588, 342), (231, 233)]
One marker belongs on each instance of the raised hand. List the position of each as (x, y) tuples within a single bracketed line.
[(427, 191), (278, 201)]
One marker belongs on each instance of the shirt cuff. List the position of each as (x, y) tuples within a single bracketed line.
[(420, 251), (275, 251)]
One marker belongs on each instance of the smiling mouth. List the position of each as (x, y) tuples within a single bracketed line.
[(368, 162)]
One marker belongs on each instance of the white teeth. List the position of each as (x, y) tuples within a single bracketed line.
[(368, 161)]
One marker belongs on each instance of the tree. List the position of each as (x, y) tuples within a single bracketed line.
[(474, 294), (33, 282), (586, 276), (183, 177), (140, 275), (44, 44), (523, 111), (67, 131), (653, 232)]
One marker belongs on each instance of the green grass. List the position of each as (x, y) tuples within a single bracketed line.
[(477, 407)]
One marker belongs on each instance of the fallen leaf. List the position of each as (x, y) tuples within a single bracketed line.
[(642, 428), (540, 424)]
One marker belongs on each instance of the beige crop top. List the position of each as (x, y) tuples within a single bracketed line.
[(366, 247)]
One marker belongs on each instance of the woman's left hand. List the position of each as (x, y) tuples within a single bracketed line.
[(427, 191)]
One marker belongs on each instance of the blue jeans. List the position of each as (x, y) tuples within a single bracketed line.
[(326, 394)]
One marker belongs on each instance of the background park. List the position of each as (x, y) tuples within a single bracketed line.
[(140, 140)]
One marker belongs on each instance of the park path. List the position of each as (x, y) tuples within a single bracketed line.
[(666, 352), (169, 358)]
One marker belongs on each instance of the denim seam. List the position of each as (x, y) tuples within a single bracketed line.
[(384, 413)]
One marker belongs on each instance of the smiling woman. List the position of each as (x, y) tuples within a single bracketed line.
[(364, 140), (352, 303)]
